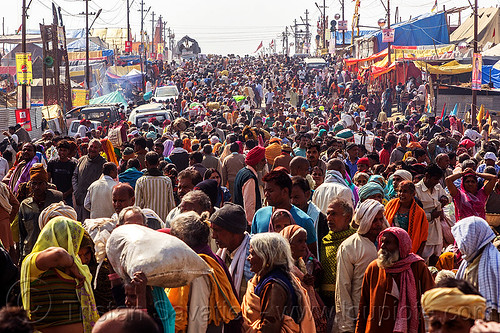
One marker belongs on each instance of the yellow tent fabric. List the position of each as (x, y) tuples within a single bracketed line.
[(81, 55), (120, 71), (450, 68)]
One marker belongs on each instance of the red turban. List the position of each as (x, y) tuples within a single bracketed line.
[(255, 155), (363, 160)]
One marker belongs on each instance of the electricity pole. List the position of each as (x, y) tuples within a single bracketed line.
[(324, 24), (128, 20), (23, 49), (308, 36), (343, 19), (474, 92), (87, 65), (152, 32), (388, 27)]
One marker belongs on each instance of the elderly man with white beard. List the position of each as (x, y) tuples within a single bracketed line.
[(392, 287), (353, 256)]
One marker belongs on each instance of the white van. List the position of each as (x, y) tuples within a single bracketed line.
[(315, 63), (143, 113), (165, 94)]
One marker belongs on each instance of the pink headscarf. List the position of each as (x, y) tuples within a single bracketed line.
[(276, 212), (408, 294)]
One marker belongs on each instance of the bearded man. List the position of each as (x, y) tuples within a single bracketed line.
[(392, 286)]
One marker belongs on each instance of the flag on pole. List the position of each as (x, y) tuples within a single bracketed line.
[(455, 111), (443, 112), (490, 127), (19, 29), (259, 47), (434, 8), (271, 45), (479, 117)]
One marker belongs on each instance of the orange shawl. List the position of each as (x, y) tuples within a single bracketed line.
[(446, 261), (251, 311), (418, 227)]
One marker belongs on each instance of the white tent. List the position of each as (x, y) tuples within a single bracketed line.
[(492, 52)]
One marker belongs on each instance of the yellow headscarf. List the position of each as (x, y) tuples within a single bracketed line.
[(452, 300), (67, 234)]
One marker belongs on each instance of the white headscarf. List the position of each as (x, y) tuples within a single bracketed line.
[(406, 175), (473, 234), (364, 215)]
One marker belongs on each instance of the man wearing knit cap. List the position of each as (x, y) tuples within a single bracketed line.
[(229, 225), (30, 208), (246, 183)]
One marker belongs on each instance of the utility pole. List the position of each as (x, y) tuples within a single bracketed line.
[(286, 39), (87, 64), (308, 35), (388, 27), (23, 49), (152, 32), (474, 92), (128, 20), (324, 24), (343, 19)]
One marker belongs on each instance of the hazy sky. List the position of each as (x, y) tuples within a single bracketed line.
[(220, 26)]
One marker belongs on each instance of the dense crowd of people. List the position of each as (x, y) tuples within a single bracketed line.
[(320, 200)]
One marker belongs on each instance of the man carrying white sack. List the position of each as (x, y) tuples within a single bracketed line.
[(209, 303), (353, 256), (229, 232)]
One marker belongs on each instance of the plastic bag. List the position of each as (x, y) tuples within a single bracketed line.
[(166, 260)]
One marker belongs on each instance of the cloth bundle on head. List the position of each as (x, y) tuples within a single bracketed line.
[(364, 215), (54, 210), (472, 235), (408, 288), (452, 300), (214, 140), (255, 155), (230, 217), (371, 188), (406, 175), (38, 173)]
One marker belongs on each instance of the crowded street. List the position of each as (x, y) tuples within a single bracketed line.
[(322, 186)]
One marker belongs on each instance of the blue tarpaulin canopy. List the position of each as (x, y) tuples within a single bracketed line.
[(80, 45), (426, 29), (491, 72)]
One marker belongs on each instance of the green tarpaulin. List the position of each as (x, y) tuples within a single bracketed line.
[(112, 98)]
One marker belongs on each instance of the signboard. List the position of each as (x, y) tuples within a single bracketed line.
[(20, 96), (79, 97), (61, 37), (23, 118), (328, 34), (342, 25), (141, 48), (24, 71), (388, 36), (477, 62), (128, 46)]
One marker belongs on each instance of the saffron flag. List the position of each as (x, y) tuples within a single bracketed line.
[(480, 116), (259, 47)]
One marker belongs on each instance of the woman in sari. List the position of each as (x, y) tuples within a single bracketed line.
[(470, 200), (55, 285), (404, 212), (306, 268), (274, 294)]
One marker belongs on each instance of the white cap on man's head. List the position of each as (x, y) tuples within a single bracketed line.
[(490, 156)]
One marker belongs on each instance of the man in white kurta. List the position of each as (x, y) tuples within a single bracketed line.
[(353, 257), (99, 201)]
